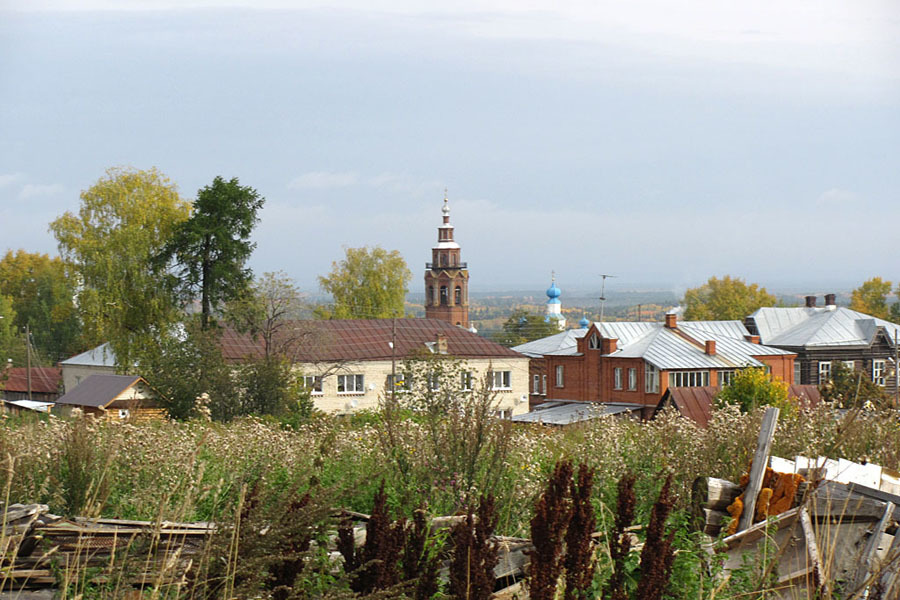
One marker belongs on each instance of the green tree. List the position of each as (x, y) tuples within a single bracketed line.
[(183, 367), (850, 388), (43, 297), (871, 298), (125, 220), (370, 283), (724, 299), (753, 387), (211, 248), (12, 342), (523, 326)]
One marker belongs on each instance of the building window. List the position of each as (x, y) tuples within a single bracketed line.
[(849, 364), (444, 298), (878, 371), (560, 381), (351, 384), (632, 379), (457, 295), (434, 382), (798, 372), (124, 413), (688, 378), (824, 371), (465, 381), (313, 383), (430, 299), (500, 380), (544, 385), (398, 382), (594, 342), (537, 385), (617, 378), (651, 379), (503, 414), (725, 378)]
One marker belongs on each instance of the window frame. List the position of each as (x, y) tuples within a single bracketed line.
[(359, 384), (617, 378), (651, 379), (313, 383), (824, 368), (879, 372), (503, 377), (560, 376)]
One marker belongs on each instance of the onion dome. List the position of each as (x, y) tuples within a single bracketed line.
[(584, 323)]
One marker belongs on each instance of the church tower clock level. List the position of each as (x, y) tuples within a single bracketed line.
[(447, 278)]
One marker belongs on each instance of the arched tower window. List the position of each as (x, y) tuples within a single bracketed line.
[(444, 295), (443, 260), (457, 296), (430, 299)]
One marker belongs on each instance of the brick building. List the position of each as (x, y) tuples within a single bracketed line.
[(636, 362), (447, 278)]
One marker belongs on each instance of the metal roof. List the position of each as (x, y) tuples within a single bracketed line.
[(819, 327), (696, 403), (31, 405), (555, 344), (569, 412), (44, 380), (99, 390), (101, 356)]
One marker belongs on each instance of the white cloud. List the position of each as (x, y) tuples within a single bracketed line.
[(322, 180), (38, 190), (9, 179), (837, 198), (405, 184)]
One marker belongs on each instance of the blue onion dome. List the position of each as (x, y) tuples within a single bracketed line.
[(553, 291), (584, 323)]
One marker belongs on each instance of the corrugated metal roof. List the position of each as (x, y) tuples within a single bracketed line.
[(567, 413), (101, 356), (369, 339), (31, 405), (818, 327), (554, 344), (98, 390), (44, 380)]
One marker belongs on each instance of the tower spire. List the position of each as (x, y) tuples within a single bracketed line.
[(446, 277)]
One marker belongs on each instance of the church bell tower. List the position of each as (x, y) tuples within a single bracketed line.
[(447, 278)]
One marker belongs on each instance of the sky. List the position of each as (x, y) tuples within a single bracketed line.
[(663, 142)]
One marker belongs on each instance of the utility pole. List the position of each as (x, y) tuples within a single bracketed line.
[(393, 360), (603, 295), (28, 359)]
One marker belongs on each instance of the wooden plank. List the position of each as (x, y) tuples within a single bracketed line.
[(812, 549), (758, 469), (890, 574), (866, 562), (868, 474)]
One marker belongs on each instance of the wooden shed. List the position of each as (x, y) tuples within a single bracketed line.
[(113, 397)]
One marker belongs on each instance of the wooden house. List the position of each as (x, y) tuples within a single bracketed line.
[(113, 397), (45, 384)]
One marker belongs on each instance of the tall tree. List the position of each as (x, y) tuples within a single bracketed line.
[(724, 299), (12, 342), (871, 298), (370, 283), (43, 297), (523, 326), (125, 220), (211, 248)]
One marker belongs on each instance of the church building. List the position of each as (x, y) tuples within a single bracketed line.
[(447, 278)]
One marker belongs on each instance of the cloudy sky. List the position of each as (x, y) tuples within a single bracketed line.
[(660, 141)]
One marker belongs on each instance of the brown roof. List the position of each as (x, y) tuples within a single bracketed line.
[(696, 402), (99, 390), (44, 380), (366, 339)]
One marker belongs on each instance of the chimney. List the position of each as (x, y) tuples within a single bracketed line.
[(753, 339), (829, 300), (608, 345), (671, 320), (811, 301), (441, 345), (711, 347)]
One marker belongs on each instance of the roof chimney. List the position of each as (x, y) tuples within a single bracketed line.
[(811, 301), (753, 339), (711, 347), (608, 345), (829, 300), (441, 345), (671, 320)]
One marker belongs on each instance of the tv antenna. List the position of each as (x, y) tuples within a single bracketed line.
[(603, 294)]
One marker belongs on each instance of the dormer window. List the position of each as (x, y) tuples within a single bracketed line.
[(594, 342)]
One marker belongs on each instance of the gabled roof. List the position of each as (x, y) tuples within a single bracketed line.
[(696, 403), (99, 390), (668, 349), (554, 344), (44, 380), (370, 339), (101, 356), (812, 327)]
